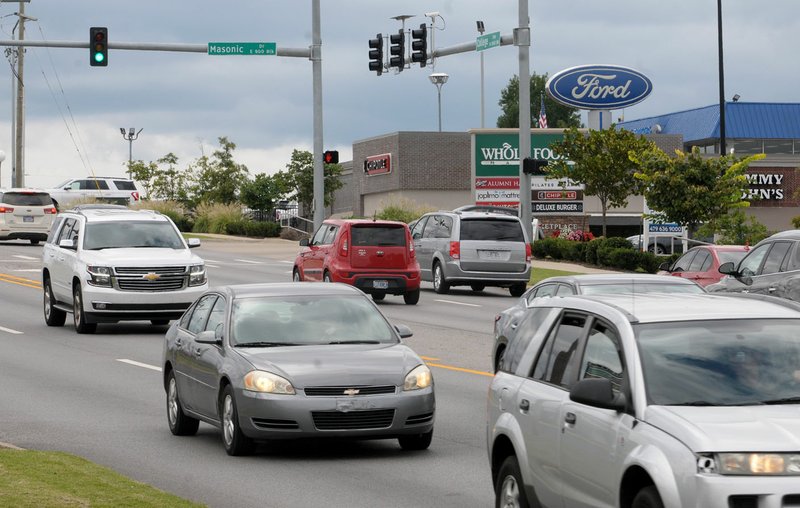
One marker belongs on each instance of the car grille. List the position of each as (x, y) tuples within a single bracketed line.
[(419, 419), (338, 391), (169, 278), (266, 423), (353, 420)]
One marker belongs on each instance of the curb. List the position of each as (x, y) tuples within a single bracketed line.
[(9, 446)]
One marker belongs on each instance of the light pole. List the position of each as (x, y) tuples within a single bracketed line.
[(2, 158), (130, 136), (722, 147), (481, 29), (439, 79)]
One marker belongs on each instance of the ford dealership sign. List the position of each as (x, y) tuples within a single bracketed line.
[(599, 87)]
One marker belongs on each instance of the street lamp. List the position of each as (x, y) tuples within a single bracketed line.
[(721, 82), (481, 29), (439, 79), (130, 136)]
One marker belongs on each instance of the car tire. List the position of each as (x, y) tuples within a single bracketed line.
[(509, 489), (327, 277), (78, 315), (296, 277), (159, 322), (440, 284), (416, 441), (179, 423), (657, 249), (235, 442), (647, 498), (52, 315), (477, 287), (501, 353), (377, 297), (518, 290), (411, 297)]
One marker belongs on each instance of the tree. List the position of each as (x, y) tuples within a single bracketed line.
[(691, 189), (734, 228), (299, 178), (599, 160), (219, 178), (558, 115), (262, 192)]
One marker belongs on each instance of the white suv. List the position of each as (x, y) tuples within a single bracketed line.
[(112, 189), (106, 264)]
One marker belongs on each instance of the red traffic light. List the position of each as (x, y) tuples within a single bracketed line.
[(330, 157)]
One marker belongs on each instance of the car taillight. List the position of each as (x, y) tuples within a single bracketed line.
[(52, 209), (343, 249), (6, 209), (528, 252), (455, 250), (497, 318), (411, 252)]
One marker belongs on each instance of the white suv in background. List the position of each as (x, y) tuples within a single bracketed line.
[(25, 214), (106, 264), (112, 189)]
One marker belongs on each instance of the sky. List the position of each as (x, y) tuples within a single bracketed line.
[(184, 102)]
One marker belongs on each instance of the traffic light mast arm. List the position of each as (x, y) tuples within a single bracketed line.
[(466, 47)]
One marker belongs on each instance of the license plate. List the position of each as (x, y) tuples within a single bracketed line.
[(27, 218), (380, 284), (347, 405), (492, 254)]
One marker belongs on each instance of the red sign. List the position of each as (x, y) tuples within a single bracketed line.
[(378, 164), (497, 183), (559, 195), (135, 196)]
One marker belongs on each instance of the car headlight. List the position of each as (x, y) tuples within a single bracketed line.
[(267, 382), (751, 464), (418, 378), (197, 275), (99, 275)]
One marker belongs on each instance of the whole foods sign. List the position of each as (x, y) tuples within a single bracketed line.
[(599, 87)]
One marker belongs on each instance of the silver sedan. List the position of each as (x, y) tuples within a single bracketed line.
[(287, 361)]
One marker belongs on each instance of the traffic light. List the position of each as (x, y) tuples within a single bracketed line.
[(376, 54), (533, 166), (98, 46), (330, 157), (419, 45), (398, 50)]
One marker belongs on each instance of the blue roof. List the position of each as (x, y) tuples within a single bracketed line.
[(753, 120)]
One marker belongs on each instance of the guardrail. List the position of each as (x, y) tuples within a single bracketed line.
[(297, 223)]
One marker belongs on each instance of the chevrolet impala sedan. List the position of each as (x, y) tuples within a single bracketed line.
[(288, 361)]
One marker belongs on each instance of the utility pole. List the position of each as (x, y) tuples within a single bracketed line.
[(18, 170), (522, 38)]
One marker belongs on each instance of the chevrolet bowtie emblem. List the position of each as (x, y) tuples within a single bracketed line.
[(351, 391), (151, 276)]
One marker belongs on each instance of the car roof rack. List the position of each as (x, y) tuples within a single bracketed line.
[(97, 206)]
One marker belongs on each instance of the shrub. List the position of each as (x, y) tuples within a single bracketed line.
[(215, 218), (622, 258), (547, 248), (573, 251), (171, 209), (251, 228), (607, 246), (403, 210), (590, 251), (649, 262)]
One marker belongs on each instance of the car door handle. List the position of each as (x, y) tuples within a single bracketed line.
[(772, 290), (178, 343), (524, 405), (198, 351), (570, 418), (514, 326)]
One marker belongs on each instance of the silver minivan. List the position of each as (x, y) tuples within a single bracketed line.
[(475, 249)]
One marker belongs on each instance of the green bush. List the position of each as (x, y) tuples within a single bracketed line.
[(609, 245), (573, 251), (548, 248), (215, 218), (403, 210), (623, 258), (590, 251), (649, 262), (251, 228)]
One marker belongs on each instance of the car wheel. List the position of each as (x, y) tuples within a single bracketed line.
[(326, 277), (179, 423), (378, 296), (34, 242), (236, 443), (518, 289), (647, 498), (657, 249), (440, 284), (477, 287), (78, 315), (159, 322), (296, 276), (416, 441), (498, 361), (509, 490), (412, 297), (52, 315)]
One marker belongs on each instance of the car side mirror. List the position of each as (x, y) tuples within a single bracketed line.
[(304, 242), (404, 331), (193, 242), (597, 392), (67, 244), (664, 266), (727, 268), (208, 337)]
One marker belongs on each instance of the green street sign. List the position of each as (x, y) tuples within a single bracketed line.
[(487, 41), (242, 48)]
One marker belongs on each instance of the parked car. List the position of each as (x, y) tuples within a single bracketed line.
[(475, 249), (506, 323), (376, 256), (25, 214), (649, 401), (701, 264), (662, 244), (289, 361), (112, 189), (772, 267), (106, 265)]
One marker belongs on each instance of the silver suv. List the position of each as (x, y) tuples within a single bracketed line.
[(107, 264), (649, 401), (475, 249)]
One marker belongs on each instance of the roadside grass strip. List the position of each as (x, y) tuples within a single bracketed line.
[(20, 281)]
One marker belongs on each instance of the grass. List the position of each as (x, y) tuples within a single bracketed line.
[(55, 479), (537, 274)]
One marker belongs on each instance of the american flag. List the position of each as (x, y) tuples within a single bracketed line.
[(542, 115)]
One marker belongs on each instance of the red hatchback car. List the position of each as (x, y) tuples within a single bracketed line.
[(701, 263), (376, 256)]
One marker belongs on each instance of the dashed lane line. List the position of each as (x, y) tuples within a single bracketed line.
[(22, 256), (248, 261), (9, 330), (139, 364), (458, 303)]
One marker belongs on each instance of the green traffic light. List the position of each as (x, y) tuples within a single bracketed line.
[(99, 57)]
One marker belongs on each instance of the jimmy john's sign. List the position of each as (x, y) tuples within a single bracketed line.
[(378, 164)]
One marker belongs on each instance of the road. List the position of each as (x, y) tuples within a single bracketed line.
[(100, 397)]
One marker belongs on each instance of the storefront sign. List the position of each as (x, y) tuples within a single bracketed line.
[(764, 187), (497, 155), (555, 195), (378, 164), (560, 207), (599, 87), (664, 228), (491, 196), (497, 183)]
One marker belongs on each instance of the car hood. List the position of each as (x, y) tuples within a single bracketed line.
[(151, 256), (335, 365), (740, 428)]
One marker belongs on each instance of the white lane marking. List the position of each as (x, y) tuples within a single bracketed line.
[(207, 265), (32, 260), (28, 270), (248, 261), (139, 364), (23, 257), (9, 330), (458, 303), (211, 260), (285, 261)]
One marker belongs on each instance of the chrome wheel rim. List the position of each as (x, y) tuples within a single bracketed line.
[(437, 277), (509, 493), (172, 402), (47, 301), (227, 420)]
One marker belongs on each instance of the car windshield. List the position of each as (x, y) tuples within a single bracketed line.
[(131, 234), (309, 320), (721, 362), (63, 184), (731, 256), (638, 287), (492, 229), (26, 198)]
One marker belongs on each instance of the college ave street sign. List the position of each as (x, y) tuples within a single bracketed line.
[(242, 48), (487, 41)]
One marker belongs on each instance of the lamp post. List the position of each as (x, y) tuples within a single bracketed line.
[(2, 158), (722, 148), (439, 79), (481, 29), (130, 136)]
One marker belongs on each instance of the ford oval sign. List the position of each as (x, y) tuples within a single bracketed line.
[(599, 87)]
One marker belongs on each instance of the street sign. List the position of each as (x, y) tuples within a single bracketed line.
[(487, 41), (665, 228), (242, 48)]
